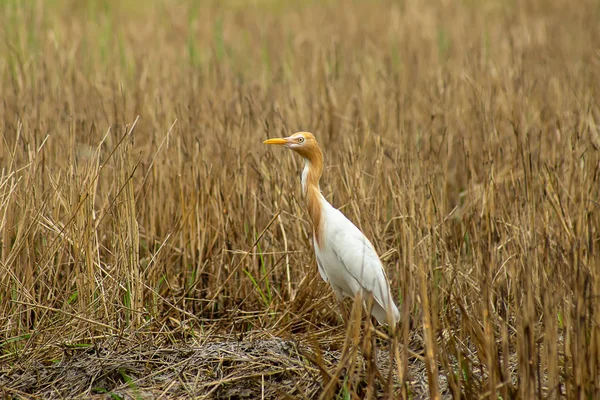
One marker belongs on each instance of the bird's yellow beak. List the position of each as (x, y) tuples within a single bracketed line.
[(276, 141)]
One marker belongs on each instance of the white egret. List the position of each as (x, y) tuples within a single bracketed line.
[(345, 257)]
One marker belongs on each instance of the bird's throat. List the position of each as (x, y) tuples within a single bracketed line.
[(310, 187)]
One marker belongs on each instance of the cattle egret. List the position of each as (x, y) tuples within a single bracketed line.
[(346, 259)]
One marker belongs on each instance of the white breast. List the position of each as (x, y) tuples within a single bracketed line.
[(305, 175)]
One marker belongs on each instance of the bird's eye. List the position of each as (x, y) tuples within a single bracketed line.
[(300, 139)]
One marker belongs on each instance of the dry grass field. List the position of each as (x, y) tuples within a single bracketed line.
[(152, 247)]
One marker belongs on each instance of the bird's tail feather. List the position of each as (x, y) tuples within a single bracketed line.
[(381, 314)]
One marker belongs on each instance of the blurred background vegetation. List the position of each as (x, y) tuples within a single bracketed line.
[(139, 208)]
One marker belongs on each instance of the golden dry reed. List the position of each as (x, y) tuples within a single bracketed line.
[(138, 205)]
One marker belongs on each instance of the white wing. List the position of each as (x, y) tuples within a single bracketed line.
[(361, 262)]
